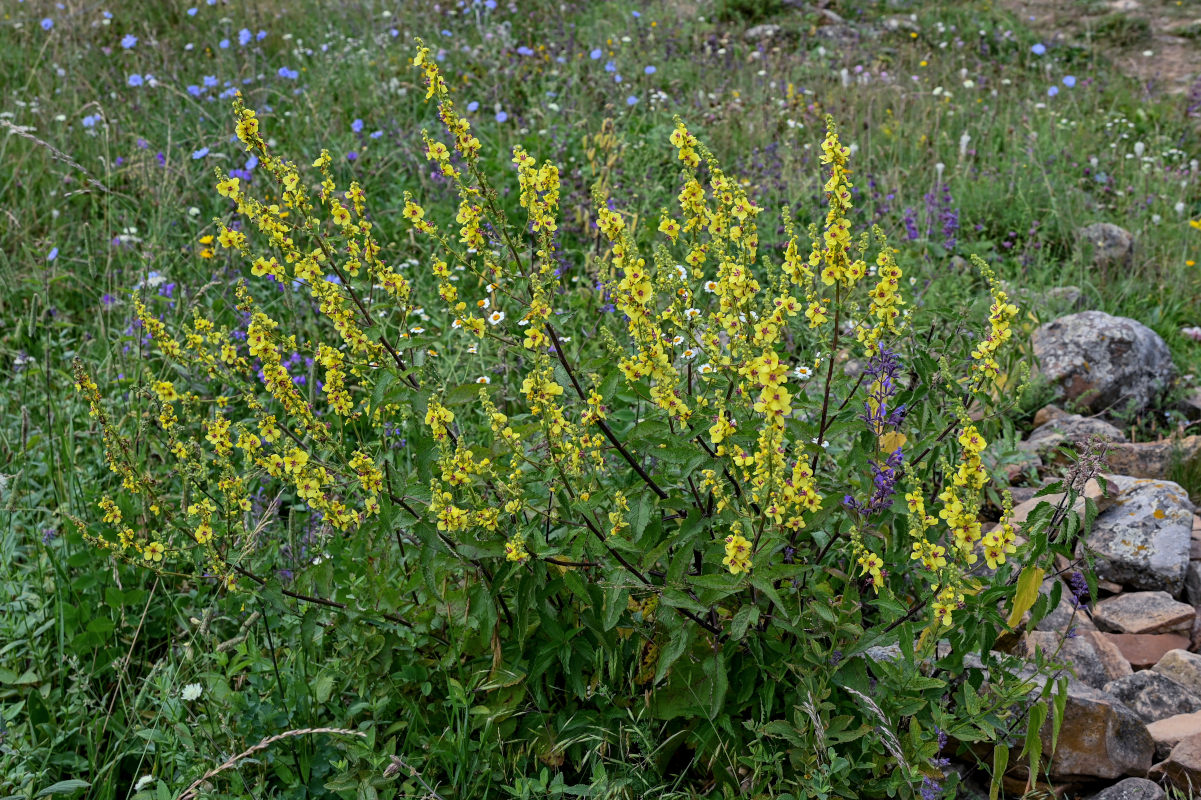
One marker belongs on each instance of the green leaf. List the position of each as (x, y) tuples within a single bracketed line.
[(1027, 593), (676, 645), (1034, 742), (1060, 699), (746, 616), (1000, 762), (323, 686), (63, 787), (616, 601)]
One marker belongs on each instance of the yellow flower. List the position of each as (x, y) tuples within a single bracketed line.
[(738, 554), (153, 552)]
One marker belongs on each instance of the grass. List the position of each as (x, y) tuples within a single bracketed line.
[(108, 186)]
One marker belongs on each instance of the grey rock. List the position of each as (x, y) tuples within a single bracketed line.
[(1065, 615), (1183, 667), (1143, 612), (1132, 789), (761, 32), (1095, 660), (1143, 539), (1100, 738), (1110, 244), (1068, 429), (1102, 361), (1065, 296), (1153, 696), (890, 653), (1192, 583)]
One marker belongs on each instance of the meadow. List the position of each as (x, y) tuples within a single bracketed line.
[(971, 129)]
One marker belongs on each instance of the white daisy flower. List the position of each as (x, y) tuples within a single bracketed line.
[(692, 313), (677, 339), (803, 373), (417, 329), (483, 379), (706, 369), (824, 442), (484, 304), (710, 286), (472, 349), (496, 317), (681, 273), (458, 323), (492, 287), (690, 354)]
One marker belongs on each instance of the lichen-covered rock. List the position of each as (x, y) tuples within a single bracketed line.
[(1151, 459), (1132, 789), (1100, 738), (1153, 696), (1067, 429), (1094, 659), (1142, 540), (1104, 362), (1110, 245), (1183, 667), (1143, 612)]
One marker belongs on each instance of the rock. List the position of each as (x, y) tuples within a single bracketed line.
[(1168, 731), (1153, 696), (1100, 738), (1068, 429), (889, 652), (1143, 612), (1151, 459), (1102, 362), (1065, 296), (1183, 765), (1144, 650), (1132, 789), (1066, 615), (1092, 491), (894, 24), (762, 32), (1110, 244), (1190, 405), (841, 34), (1095, 660), (1192, 582), (1046, 414), (1142, 541), (1183, 667), (1021, 494)]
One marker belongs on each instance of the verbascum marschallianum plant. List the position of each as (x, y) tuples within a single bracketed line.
[(667, 497)]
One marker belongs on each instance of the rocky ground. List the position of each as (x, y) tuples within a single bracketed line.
[(1133, 715)]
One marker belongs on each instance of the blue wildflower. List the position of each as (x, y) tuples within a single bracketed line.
[(129, 41)]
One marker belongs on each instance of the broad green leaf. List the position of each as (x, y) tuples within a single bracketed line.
[(616, 600), (63, 787), (745, 617)]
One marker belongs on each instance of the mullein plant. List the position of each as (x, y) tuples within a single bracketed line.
[(724, 512)]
